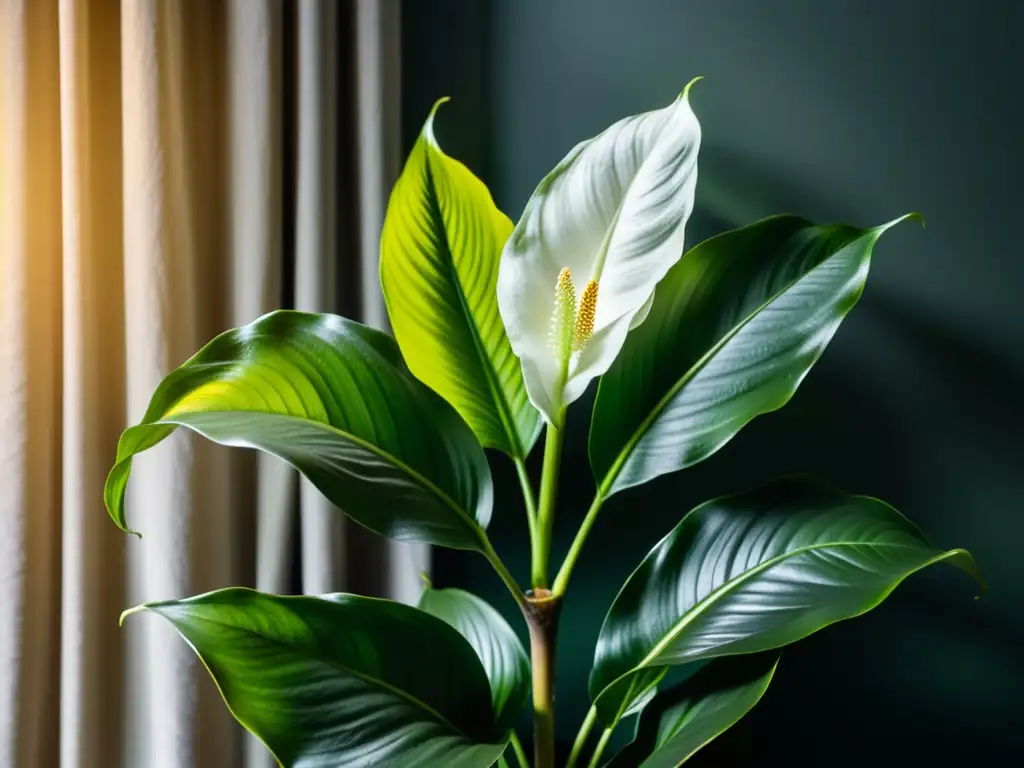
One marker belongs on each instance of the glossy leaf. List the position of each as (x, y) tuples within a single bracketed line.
[(678, 722), (500, 651), (734, 328), (333, 399), (751, 572), (439, 255), (614, 211), (342, 679)]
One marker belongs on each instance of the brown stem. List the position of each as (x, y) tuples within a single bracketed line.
[(541, 611)]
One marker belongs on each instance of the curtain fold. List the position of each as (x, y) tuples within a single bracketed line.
[(168, 169), (30, 371)]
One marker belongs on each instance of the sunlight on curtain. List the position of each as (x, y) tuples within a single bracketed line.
[(144, 207)]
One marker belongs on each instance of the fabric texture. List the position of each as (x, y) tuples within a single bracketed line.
[(169, 169)]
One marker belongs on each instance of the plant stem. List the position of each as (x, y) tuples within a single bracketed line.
[(606, 734), (499, 567), (546, 513), (541, 614), (517, 747), (562, 579), (581, 737), (528, 498)]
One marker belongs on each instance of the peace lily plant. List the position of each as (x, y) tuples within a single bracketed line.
[(498, 330)]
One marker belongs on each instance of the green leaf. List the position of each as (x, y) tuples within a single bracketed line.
[(502, 655), (682, 720), (439, 256), (342, 679), (333, 399), (751, 572), (734, 328)]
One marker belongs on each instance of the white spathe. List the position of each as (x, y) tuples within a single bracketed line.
[(614, 210)]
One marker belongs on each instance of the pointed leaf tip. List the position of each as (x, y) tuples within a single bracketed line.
[(428, 124), (913, 216), (686, 91), (128, 612)]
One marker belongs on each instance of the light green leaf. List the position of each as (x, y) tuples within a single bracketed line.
[(333, 399), (752, 572), (439, 255), (614, 212), (501, 654), (342, 679), (679, 722), (735, 327)]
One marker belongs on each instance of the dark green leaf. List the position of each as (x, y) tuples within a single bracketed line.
[(680, 721), (751, 572), (342, 679), (333, 399), (439, 254), (734, 328), (499, 649)]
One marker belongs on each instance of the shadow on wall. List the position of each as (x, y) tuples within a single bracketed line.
[(846, 110)]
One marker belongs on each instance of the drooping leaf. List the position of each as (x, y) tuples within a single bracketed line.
[(734, 328), (678, 722), (501, 654), (752, 572), (333, 399), (614, 211), (342, 679), (439, 255)]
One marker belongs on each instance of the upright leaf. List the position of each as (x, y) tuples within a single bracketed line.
[(342, 679), (734, 328), (611, 216), (495, 642), (681, 721), (752, 572), (439, 255), (333, 399)]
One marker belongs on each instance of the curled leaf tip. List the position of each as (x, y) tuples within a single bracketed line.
[(428, 125), (686, 91), (126, 613)]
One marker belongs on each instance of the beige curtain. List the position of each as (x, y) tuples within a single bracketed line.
[(167, 170)]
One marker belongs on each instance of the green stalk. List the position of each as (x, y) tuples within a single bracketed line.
[(546, 514), (528, 498), (542, 607), (502, 571), (517, 747), (581, 737), (606, 734), (562, 579)]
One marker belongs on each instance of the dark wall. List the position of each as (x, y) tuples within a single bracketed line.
[(851, 110)]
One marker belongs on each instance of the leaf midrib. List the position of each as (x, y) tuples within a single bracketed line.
[(695, 611), (490, 375), (427, 484), (696, 368), (713, 596), (345, 669)]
